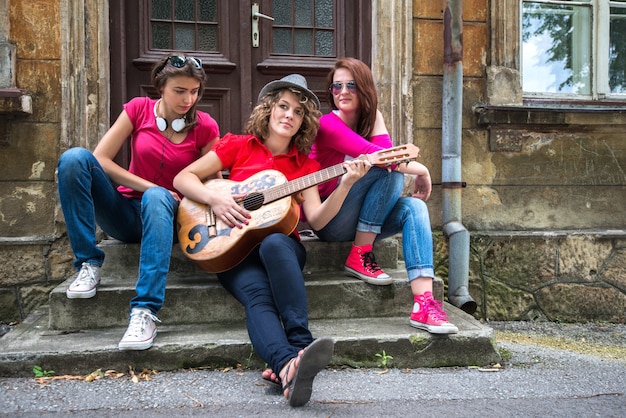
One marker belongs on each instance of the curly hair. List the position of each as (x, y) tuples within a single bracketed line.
[(161, 72), (258, 123), (365, 90)]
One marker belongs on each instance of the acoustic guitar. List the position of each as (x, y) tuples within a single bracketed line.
[(215, 246)]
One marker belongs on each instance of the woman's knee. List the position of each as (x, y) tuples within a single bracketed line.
[(275, 242), (73, 157), (416, 207), (158, 198)]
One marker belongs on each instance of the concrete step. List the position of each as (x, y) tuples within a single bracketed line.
[(196, 297), (357, 341), (197, 300)]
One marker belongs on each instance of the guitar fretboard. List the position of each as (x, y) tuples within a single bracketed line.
[(294, 186)]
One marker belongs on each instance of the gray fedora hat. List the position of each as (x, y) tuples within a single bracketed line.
[(295, 81)]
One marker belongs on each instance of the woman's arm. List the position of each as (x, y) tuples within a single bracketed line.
[(318, 214), (335, 134), (423, 183), (190, 183), (107, 149)]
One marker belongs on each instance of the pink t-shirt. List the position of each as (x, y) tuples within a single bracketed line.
[(153, 157), (335, 142)]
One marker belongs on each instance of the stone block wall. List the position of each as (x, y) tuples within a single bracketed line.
[(563, 277), (30, 263)]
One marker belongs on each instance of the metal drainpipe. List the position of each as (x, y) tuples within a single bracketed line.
[(451, 140)]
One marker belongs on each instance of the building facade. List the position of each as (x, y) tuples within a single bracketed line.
[(542, 181)]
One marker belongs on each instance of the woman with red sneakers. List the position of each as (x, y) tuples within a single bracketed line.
[(374, 208)]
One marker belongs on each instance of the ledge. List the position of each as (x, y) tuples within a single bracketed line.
[(14, 102), (546, 117), (510, 126)]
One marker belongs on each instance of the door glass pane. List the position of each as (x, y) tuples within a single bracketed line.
[(161, 36), (281, 12), (208, 9), (184, 36), (556, 50), (304, 13), (303, 44), (322, 17), (161, 9), (208, 38), (189, 25), (617, 50), (303, 27), (324, 43), (282, 41), (184, 10)]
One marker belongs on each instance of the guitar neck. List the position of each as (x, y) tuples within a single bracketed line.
[(301, 183), (385, 157)]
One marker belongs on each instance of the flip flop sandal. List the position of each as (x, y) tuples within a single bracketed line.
[(315, 357)]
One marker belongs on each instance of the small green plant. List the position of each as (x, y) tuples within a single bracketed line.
[(39, 372), (384, 359), (249, 360), (505, 354)]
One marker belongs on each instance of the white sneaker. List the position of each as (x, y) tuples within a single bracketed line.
[(141, 330), (84, 285)]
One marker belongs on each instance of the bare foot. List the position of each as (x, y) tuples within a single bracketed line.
[(270, 376)]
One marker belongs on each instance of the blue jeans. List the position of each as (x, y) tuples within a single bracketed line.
[(374, 204), (270, 285), (88, 197)]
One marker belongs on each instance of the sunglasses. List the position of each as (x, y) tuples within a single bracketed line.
[(337, 88), (179, 62)]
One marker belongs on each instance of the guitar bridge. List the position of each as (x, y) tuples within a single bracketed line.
[(211, 223)]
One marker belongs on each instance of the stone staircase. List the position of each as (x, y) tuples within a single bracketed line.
[(203, 326)]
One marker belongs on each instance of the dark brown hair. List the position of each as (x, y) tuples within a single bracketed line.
[(163, 71), (259, 121), (365, 90)]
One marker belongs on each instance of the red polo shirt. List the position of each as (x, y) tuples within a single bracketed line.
[(245, 155)]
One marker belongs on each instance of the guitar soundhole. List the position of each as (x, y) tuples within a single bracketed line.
[(253, 201)]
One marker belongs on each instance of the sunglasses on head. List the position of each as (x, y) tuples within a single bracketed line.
[(337, 88), (179, 62)]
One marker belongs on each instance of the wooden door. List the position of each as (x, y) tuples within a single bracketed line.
[(305, 36)]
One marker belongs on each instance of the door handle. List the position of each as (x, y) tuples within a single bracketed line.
[(255, 24)]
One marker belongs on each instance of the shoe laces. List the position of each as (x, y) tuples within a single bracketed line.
[(369, 262), (434, 310), (138, 322), (87, 275)]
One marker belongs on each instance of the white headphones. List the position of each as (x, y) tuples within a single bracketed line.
[(177, 124)]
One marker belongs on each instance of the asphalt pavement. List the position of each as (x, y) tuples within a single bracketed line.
[(548, 370)]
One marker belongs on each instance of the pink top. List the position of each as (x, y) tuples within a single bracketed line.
[(153, 157), (335, 142)]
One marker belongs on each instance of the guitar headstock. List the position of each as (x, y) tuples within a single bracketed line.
[(400, 154)]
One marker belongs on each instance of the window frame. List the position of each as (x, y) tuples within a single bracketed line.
[(599, 62), (512, 118)]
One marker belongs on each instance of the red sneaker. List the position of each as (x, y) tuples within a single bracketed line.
[(429, 315), (362, 264)]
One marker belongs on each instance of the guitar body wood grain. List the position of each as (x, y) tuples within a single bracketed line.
[(226, 247)]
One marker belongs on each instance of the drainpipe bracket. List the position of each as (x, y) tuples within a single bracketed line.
[(453, 185)]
